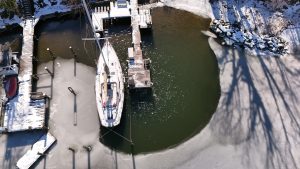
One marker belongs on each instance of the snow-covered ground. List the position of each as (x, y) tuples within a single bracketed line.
[(256, 124), (4, 21), (49, 8), (198, 7)]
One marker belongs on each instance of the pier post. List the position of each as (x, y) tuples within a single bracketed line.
[(88, 148), (51, 53), (51, 74), (35, 77), (73, 155), (75, 104), (71, 149), (53, 65), (75, 56)]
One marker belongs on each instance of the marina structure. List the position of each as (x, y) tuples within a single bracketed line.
[(21, 112), (109, 83), (138, 67)]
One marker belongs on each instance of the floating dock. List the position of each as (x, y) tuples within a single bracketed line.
[(138, 67), (37, 150), (21, 112)]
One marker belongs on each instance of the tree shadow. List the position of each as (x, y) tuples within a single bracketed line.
[(258, 106), (294, 34), (16, 146)]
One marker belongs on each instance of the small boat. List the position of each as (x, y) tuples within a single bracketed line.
[(109, 87), (11, 86)]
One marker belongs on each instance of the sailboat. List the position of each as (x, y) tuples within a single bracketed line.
[(109, 84), (109, 87)]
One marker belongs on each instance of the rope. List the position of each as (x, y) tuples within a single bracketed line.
[(121, 136), (104, 134), (110, 130), (84, 43), (130, 128)]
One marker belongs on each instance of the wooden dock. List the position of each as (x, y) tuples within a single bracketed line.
[(21, 112), (138, 67)]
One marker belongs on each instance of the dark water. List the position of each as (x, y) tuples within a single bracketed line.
[(58, 35), (184, 71), (13, 38)]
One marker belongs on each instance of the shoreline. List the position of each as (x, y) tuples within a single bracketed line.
[(255, 124), (214, 146), (227, 141)]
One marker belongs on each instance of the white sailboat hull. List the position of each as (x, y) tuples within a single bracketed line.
[(109, 87)]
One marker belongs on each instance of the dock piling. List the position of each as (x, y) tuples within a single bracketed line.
[(75, 56), (75, 104), (50, 73), (51, 53)]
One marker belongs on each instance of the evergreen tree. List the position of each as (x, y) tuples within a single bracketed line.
[(10, 7)]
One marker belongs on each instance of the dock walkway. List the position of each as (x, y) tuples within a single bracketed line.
[(138, 71), (138, 67), (21, 113)]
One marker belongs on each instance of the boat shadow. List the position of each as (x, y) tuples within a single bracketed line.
[(120, 137)]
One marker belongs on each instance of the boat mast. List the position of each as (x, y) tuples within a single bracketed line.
[(94, 32)]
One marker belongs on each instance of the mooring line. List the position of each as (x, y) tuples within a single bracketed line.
[(105, 134), (121, 136)]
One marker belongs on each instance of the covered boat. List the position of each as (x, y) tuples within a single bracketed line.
[(11, 86)]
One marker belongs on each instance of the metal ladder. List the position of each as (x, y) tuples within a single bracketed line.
[(26, 8)]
